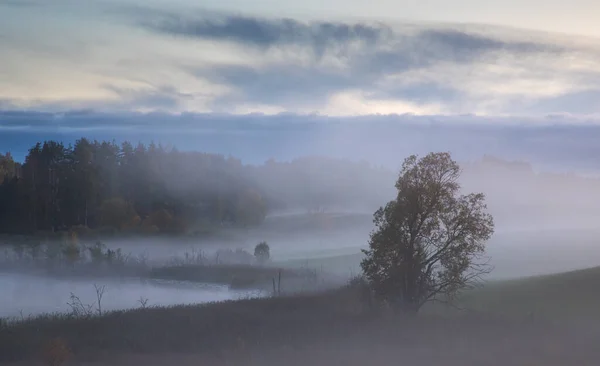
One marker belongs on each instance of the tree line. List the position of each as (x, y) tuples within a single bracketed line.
[(152, 188), (101, 184)]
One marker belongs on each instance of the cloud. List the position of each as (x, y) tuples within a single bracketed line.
[(320, 35), (421, 92), (290, 85), (164, 97), (584, 102), (263, 32), (170, 60), (305, 64), (19, 3), (555, 142), (375, 46), (460, 41)]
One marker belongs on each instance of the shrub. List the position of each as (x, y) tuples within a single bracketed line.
[(262, 252)]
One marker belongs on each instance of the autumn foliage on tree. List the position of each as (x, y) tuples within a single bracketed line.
[(428, 243)]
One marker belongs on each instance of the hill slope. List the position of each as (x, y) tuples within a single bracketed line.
[(569, 296)]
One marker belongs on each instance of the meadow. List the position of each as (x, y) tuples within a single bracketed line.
[(306, 313), (542, 319)]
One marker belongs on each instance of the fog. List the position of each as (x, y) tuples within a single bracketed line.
[(546, 218), (154, 155), (546, 222), (27, 295)]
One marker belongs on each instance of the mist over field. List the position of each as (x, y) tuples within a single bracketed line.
[(544, 207), (545, 221), (275, 182)]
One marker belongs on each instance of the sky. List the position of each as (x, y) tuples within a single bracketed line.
[(268, 78), (335, 58)]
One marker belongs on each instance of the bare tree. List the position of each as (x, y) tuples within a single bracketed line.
[(143, 302), (78, 308), (99, 294), (429, 242)]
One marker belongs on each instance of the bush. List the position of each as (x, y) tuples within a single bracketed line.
[(262, 252)]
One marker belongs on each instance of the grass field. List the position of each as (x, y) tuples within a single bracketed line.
[(564, 297), (336, 327)]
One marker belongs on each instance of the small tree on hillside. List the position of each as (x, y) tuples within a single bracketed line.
[(428, 242), (262, 252)]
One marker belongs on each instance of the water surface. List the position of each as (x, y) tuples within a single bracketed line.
[(32, 295)]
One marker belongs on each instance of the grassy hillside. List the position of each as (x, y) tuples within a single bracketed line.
[(569, 296), (329, 328), (496, 318), (563, 297)]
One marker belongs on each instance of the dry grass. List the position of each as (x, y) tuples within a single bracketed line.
[(56, 352), (330, 328), (568, 297), (182, 328), (390, 341), (326, 329)]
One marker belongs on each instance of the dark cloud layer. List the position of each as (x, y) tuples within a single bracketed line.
[(164, 97), (262, 32), (370, 52), (462, 41), (283, 85), (551, 142), (265, 32), (311, 86)]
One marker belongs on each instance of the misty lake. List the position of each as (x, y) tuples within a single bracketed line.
[(32, 295)]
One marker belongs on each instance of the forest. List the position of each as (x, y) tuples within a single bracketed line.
[(148, 189), (101, 187)]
